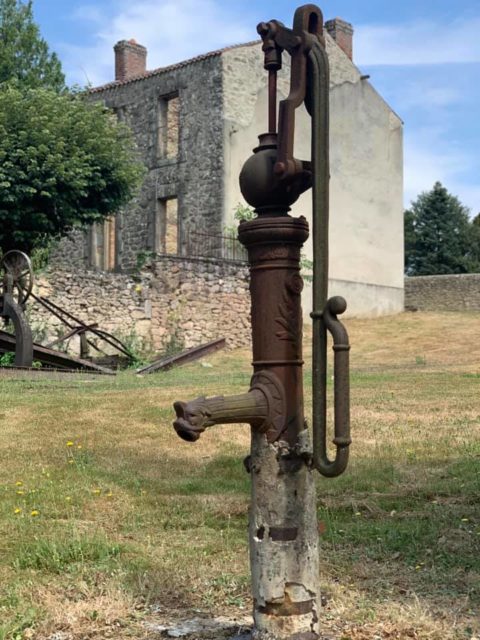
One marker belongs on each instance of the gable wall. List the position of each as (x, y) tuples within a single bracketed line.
[(366, 212)]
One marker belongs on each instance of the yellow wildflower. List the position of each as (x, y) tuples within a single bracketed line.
[(70, 443), (109, 494), (96, 491), (20, 492), (34, 513), (17, 511), (18, 483), (68, 499)]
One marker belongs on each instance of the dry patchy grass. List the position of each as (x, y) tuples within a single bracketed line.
[(107, 517)]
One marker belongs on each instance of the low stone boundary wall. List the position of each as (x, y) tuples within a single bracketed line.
[(203, 299), (443, 293), (174, 302)]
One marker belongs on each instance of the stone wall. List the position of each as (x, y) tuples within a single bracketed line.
[(206, 299), (443, 293), (175, 114), (188, 302)]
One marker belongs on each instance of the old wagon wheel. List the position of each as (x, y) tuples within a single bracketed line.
[(18, 266)]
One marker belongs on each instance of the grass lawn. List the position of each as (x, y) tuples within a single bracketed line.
[(108, 521)]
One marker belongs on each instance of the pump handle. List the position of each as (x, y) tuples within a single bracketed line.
[(309, 85), (328, 322)]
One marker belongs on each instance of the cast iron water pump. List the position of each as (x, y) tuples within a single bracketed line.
[(282, 527)]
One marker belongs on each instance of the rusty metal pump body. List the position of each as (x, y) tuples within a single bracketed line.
[(271, 181)]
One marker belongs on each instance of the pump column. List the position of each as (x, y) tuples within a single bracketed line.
[(282, 526)]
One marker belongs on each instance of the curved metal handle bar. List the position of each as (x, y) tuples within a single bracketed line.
[(341, 347), (326, 311), (307, 32)]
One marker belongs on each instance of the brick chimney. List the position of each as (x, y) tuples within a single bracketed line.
[(342, 33), (130, 60)]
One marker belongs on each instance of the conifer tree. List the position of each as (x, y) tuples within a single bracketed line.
[(25, 58), (474, 254), (439, 236)]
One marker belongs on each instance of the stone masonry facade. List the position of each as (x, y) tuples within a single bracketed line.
[(190, 302), (443, 293), (183, 161), (184, 119)]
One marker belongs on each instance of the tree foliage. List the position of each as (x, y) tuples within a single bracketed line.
[(475, 242), (439, 237), (25, 58), (65, 162)]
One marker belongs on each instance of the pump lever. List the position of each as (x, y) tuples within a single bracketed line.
[(341, 381), (307, 30)]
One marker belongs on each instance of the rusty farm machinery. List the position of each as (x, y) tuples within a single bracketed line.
[(16, 288)]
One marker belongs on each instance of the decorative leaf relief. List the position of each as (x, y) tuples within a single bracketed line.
[(289, 319)]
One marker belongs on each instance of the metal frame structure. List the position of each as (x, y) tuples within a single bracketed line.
[(16, 288)]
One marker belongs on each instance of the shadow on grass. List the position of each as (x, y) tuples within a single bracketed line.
[(419, 520)]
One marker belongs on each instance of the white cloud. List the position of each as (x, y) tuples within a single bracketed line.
[(421, 95), (172, 30), (418, 43), (89, 13), (428, 159)]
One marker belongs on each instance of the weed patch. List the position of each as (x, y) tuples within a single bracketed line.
[(57, 556)]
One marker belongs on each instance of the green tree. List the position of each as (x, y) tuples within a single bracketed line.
[(25, 58), (438, 235), (65, 162), (409, 237), (474, 253)]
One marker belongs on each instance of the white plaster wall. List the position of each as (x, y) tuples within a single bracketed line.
[(366, 156), (245, 114), (363, 299)]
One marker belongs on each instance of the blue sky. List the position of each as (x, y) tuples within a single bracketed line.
[(423, 56)]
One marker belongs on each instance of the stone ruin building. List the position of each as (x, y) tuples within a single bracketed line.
[(195, 123)]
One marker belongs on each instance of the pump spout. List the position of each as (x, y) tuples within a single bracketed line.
[(195, 416), (262, 407)]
